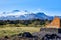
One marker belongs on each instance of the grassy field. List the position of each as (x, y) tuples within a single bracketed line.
[(16, 30)]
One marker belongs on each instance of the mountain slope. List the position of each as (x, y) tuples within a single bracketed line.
[(28, 16)]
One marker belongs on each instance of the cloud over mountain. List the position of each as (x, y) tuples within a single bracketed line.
[(13, 13), (23, 15)]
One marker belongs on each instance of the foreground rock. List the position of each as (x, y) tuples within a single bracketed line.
[(44, 34), (49, 34)]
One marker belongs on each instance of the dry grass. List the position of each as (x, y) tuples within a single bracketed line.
[(16, 30)]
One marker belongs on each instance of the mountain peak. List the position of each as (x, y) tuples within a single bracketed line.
[(41, 13), (16, 11)]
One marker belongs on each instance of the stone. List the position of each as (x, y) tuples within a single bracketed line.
[(27, 34)]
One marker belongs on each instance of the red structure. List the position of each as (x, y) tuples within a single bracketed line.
[(55, 23)]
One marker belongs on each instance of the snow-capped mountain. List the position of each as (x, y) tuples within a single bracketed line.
[(23, 15)]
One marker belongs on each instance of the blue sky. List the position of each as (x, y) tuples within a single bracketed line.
[(49, 7)]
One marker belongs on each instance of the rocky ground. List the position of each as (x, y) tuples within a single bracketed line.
[(44, 34)]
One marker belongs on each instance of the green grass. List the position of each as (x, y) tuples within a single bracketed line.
[(16, 30)]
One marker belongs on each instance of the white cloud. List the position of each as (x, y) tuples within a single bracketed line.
[(13, 14)]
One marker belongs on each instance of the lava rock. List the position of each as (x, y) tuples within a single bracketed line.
[(27, 34)]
